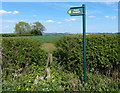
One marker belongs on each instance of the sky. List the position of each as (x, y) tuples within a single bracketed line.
[(102, 17), (60, 0)]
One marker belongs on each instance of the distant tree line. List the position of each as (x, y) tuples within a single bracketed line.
[(25, 28)]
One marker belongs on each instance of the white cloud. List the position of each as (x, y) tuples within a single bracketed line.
[(72, 19), (15, 12), (110, 17), (92, 16), (50, 21), (8, 12), (59, 22), (21, 20), (107, 16)]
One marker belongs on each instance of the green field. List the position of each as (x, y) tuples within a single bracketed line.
[(47, 38)]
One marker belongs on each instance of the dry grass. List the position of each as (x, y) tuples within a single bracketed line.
[(48, 47)]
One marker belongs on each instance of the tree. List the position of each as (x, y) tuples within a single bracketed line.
[(35, 32), (37, 26), (22, 27)]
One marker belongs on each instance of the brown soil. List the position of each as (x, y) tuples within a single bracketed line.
[(48, 46)]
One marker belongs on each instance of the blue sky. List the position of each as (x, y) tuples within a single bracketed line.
[(102, 17), (60, 0)]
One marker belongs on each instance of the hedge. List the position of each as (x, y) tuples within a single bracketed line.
[(15, 35), (102, 54), (18, 54), (26, 54)]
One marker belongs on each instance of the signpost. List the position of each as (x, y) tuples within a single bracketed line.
[(75, 11), (81, 11)]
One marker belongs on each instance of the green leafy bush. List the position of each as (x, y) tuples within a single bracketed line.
[(102, 53), (18, 54), (61, 80), (69, 53), (16, 35)]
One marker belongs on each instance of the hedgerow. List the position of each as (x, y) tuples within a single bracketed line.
[(23, 60), (102, 54), (18, 54), (16, 35)]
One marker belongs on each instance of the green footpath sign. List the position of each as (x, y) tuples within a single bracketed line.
[(75, 11), (81, 11)]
